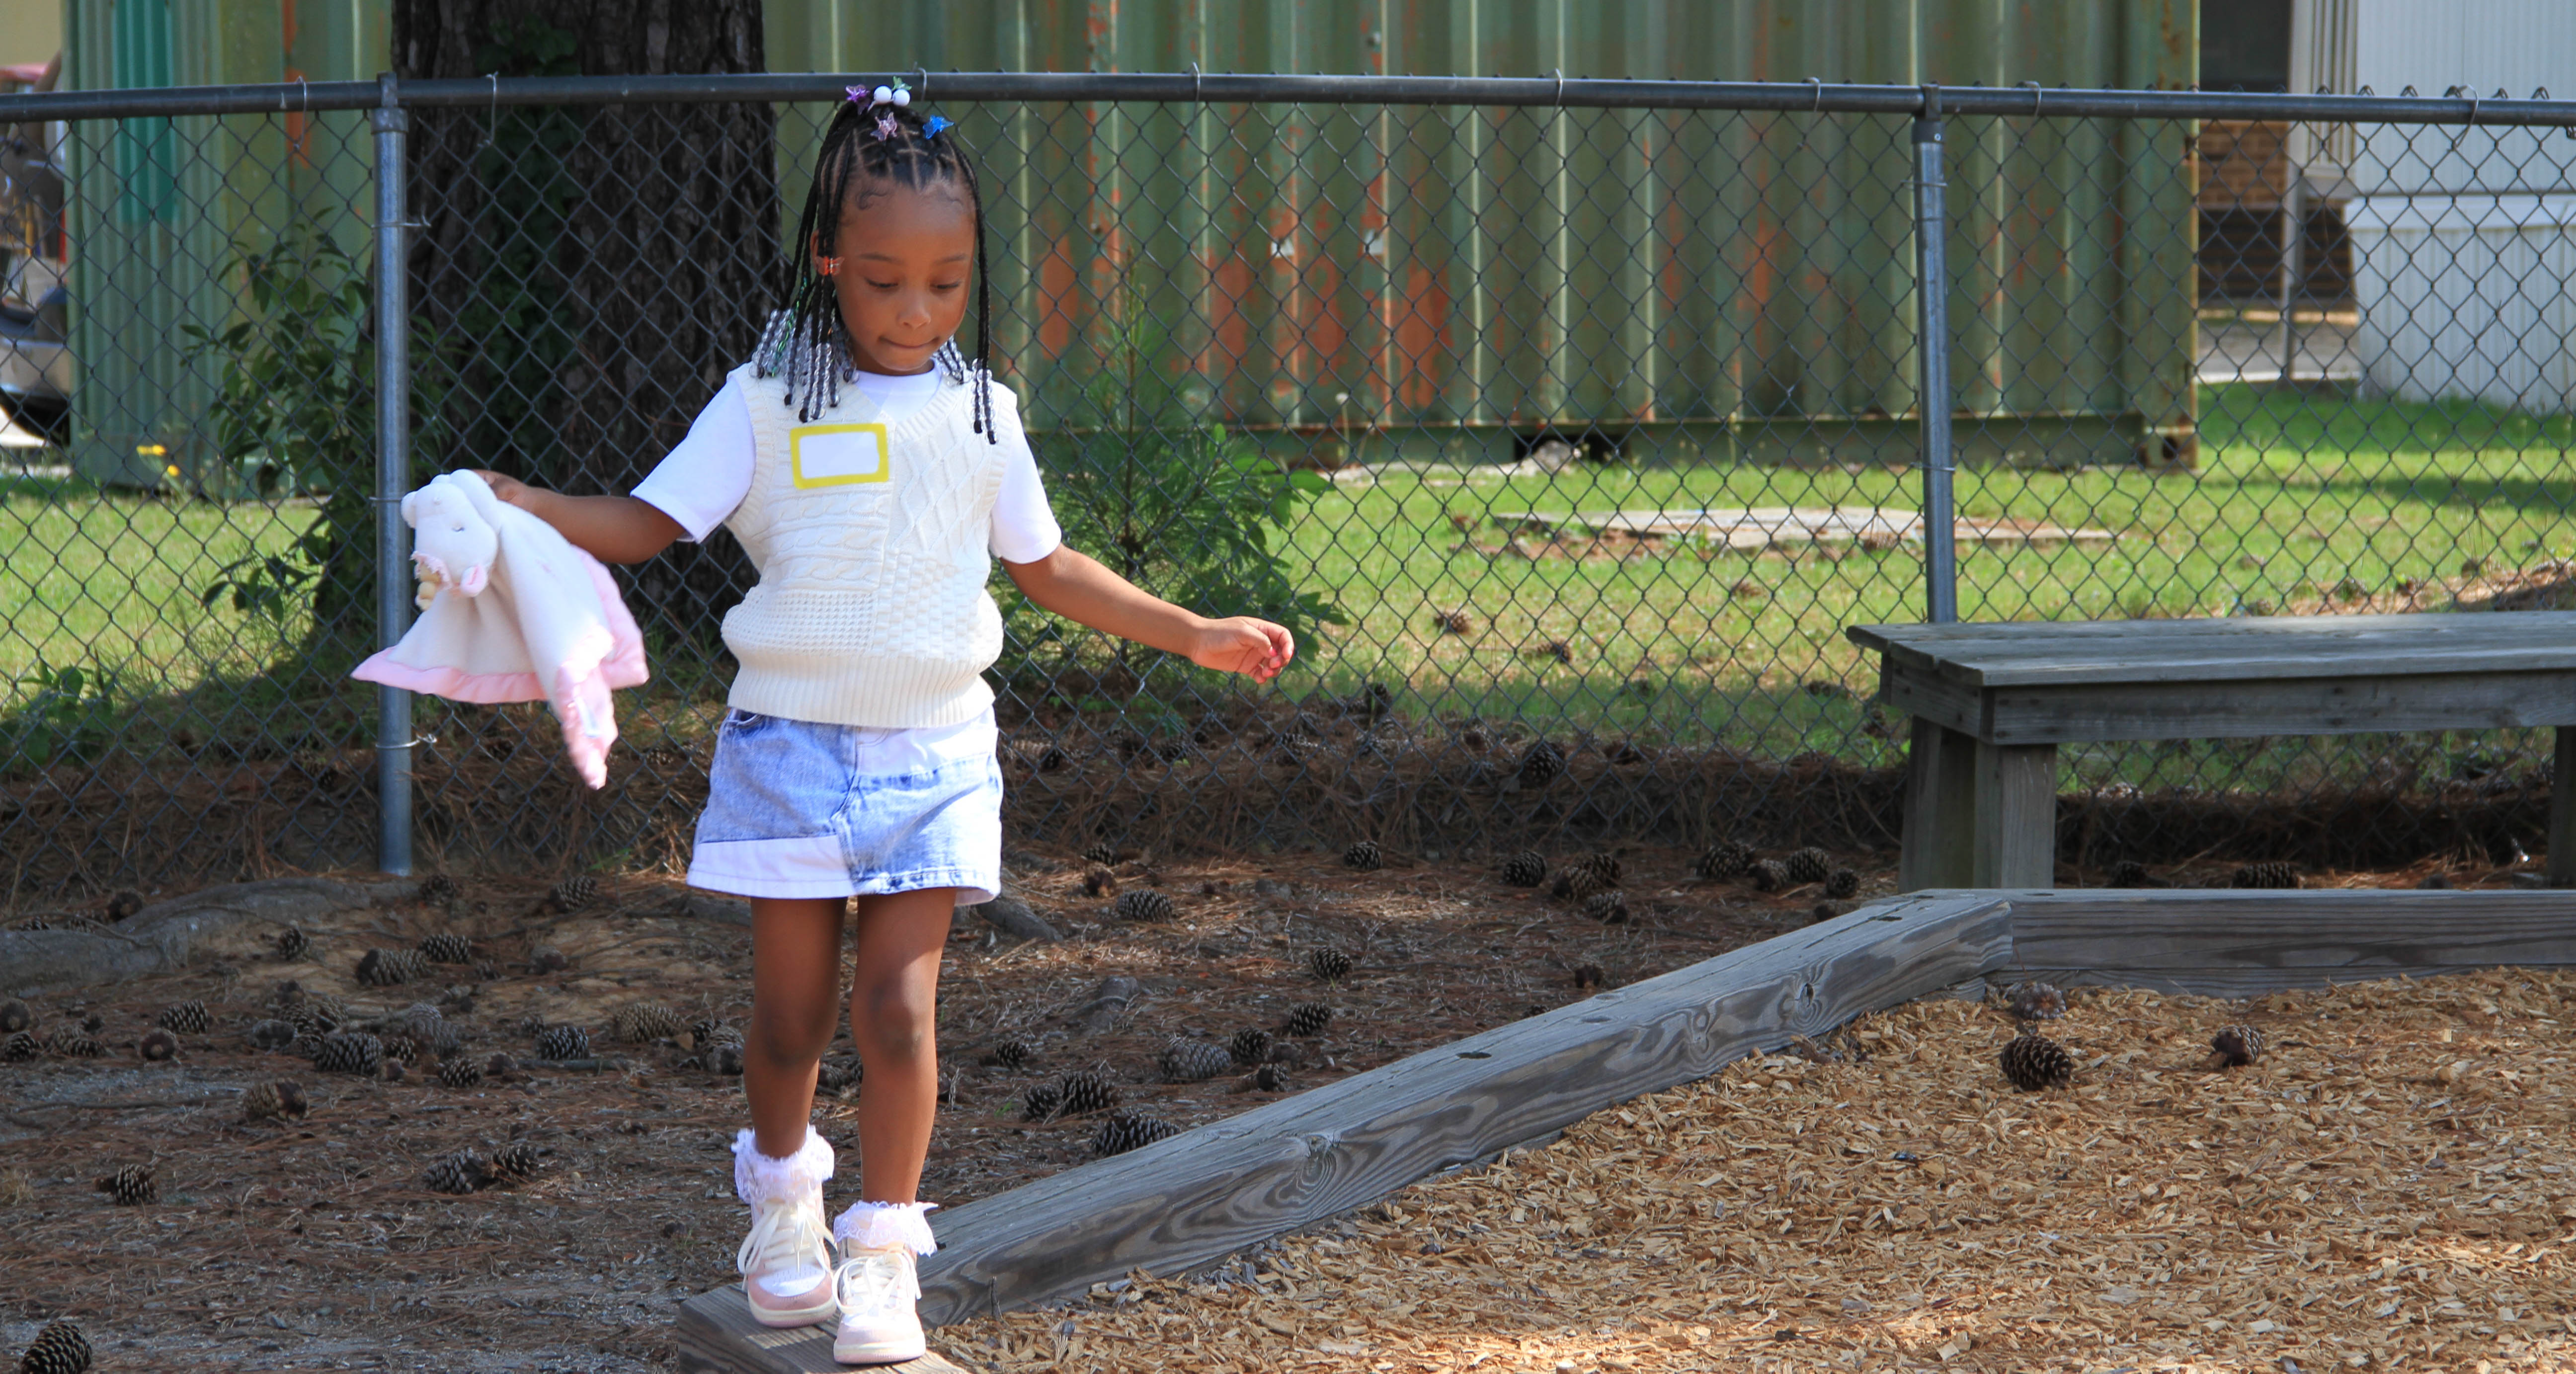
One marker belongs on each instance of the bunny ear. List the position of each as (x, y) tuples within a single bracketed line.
[(411, 507)]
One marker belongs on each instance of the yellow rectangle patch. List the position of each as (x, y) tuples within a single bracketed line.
[(839, 455)]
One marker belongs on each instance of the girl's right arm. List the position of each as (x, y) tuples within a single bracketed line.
[(612, 529)]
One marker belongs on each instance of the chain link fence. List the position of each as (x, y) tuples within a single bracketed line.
[(1569, 422)]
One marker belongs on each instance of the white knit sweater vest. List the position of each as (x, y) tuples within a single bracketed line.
[(873, 545)]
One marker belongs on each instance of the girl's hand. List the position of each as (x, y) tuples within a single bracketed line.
[(509, 490), (1242, 644)]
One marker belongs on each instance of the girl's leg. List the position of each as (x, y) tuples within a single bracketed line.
[(894, 1005), (795, 986)]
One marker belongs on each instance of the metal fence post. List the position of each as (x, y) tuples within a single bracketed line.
[(1932, 349), (393, 473)]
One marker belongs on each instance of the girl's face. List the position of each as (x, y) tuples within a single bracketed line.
[(905, 258)]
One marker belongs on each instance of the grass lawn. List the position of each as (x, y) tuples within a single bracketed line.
[(2302, 500)]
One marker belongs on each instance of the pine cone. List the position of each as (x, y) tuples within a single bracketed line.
[(1098, 881), (499, 1065), (1249, 1046), (1609, 908), (430, 1029), (834, 1075), (271, 1034), (638, 1023), (1769, 875), (1810, 865), (439, 889), (563, 1042), (158, 1044), (1127, 1131), (20, 1047), (446, 948), (516, 1162), (1010, 1054), (460, 1073), (2236, 1046), (1270, 1078), (2035, 1002), (1525, 869), (131, 1186), (2269, 874), (461, 1172), (1453, 622), (70, 1042), (1192, 1061), (574, 893), (1574, 884), (305, 1045), (1541, 764), (349, 1052), (1604, 868), (59, 1349), (14, 1016), (399, 1048), (1307, 1018), (277, 1097), (548, 959), (1725, 859), (725, 1057), (1329, 964), (2032, 1062), (293, 943), (1364, 855), (1143, 904), (1842, 884), (382, 968), (187, 1018), (2130, 873), (1084, 1091), (124, 904), (394, 1071), (1103, 853), (1041, 1101)]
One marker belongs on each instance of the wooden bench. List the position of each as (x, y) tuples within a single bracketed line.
[(1991, 703)]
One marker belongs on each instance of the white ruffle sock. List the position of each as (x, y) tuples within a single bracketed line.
[(884, 1225), (787, 1246)]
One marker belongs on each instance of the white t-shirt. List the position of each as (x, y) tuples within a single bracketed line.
[(700, 482)]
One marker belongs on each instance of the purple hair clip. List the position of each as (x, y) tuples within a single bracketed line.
[(887, 127)]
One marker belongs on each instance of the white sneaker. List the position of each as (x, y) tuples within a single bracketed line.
[(786, 1261), (878, 1289)]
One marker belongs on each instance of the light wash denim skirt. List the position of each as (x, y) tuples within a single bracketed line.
[(799, 809)]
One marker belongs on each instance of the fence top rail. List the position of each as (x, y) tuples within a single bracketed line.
[(2026, 100)]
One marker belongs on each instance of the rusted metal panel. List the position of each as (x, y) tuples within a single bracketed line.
[(1324, 269)]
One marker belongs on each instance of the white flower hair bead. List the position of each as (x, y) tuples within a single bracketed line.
[(902, 98), (884, 95)]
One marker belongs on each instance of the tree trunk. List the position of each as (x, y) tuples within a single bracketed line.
[(586, 277)]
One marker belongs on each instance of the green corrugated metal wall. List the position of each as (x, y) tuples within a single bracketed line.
[(1351, 270), (1326, 268), (158, 204)]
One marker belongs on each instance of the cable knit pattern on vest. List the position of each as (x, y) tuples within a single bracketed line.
[(872, 542)]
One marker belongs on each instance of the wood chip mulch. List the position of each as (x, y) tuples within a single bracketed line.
[(2388, 1187)]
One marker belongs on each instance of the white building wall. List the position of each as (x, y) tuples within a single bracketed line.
[(2463, 239)]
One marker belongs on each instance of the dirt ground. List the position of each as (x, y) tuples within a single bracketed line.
[(2388, 1187), (314, 1244)]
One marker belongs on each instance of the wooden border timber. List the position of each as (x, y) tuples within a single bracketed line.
[(1209, 1192), (2221, 943)]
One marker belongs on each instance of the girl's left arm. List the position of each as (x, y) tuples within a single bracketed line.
[(1078, 588)]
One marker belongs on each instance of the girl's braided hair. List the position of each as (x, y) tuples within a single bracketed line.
[(869, 143)]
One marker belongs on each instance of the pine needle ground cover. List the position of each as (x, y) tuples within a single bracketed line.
[(2390, 1186), (311, 1240)]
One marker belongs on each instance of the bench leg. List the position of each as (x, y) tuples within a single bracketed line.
[(1940, 809), (2562, 810), (2016, 810)]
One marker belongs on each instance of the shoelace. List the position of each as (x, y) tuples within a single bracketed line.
[(783, 1233), (876, 1278)]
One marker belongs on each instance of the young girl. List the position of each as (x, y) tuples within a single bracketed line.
[(869, 471)]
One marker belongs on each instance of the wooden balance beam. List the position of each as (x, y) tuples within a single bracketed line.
[(1197, 1197)]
